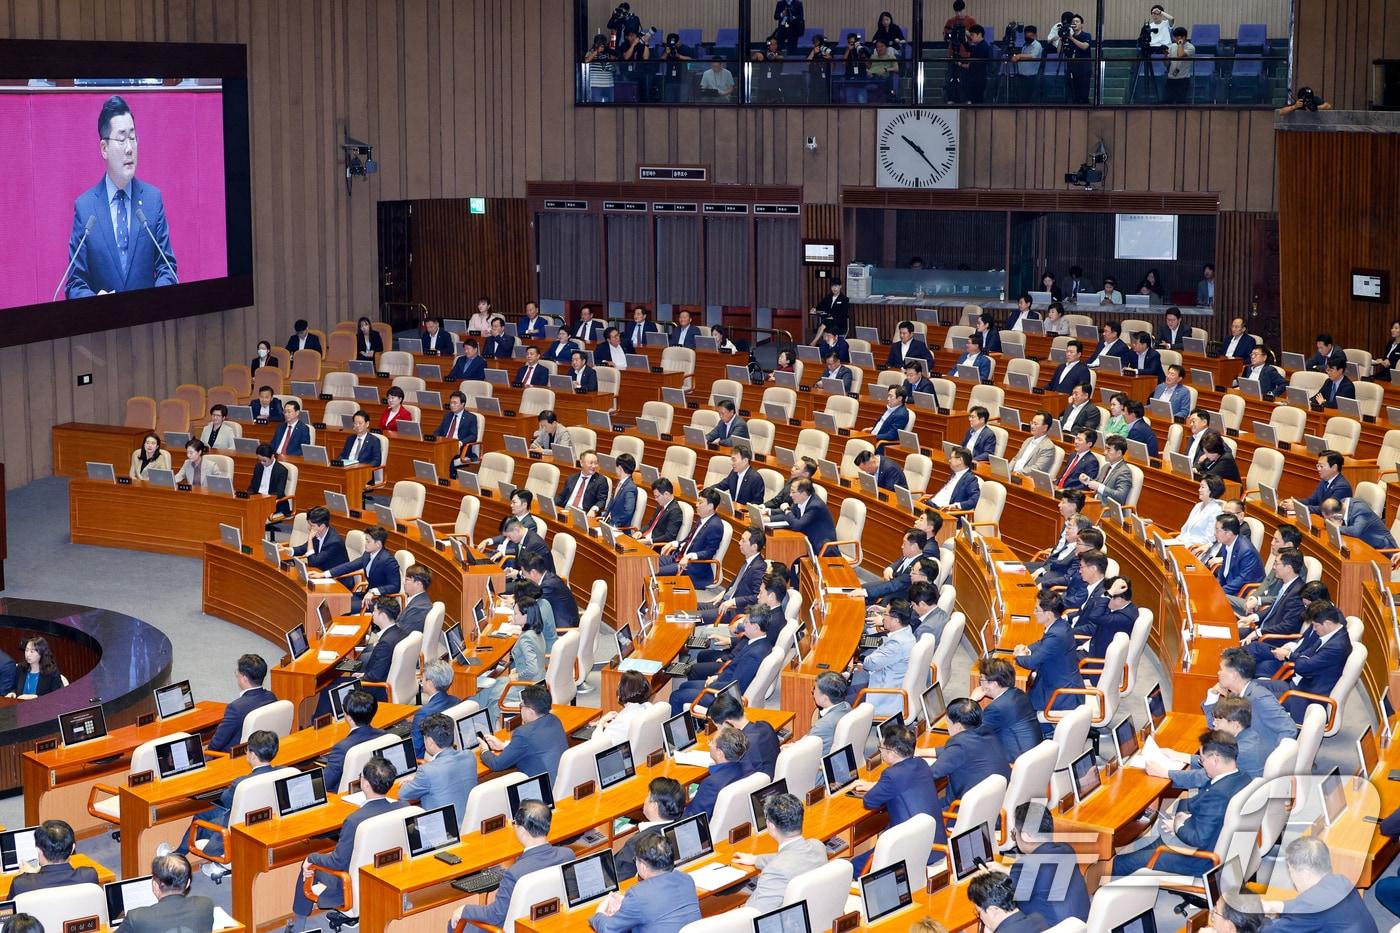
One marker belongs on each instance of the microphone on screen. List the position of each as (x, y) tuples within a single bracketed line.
[(141, 216), (87, 228)]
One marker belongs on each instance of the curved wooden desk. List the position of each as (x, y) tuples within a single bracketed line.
[(168, 521)]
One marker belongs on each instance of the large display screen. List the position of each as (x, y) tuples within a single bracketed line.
[(127, 195)]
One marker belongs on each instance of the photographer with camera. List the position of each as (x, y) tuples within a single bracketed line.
[(856, 56), (602, 73), (1027, 64), (792, 23), (955, 34), (675, 76), (635, 49), (819, 71), (621, 20), (1077, 46), (767, 88), (1179, 67), (1305, 99)]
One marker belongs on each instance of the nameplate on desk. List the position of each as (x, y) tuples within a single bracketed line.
[(123, 480), (740, 833), (585, 789), (260, 815), (239, 750), (184, 487), (319, 425), (45, 745), (388, 857), (655, 758), (493, 823), (816, 795), (145, 719), (1110, 767), (873, 761), (846, 922), (353, 787), (937, 881), (544, 909), (137, 778), (240, 494), (82, 925), (379, 375), (324, 720), (1067, 802)]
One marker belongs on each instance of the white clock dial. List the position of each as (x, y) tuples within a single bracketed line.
[(917, 149)]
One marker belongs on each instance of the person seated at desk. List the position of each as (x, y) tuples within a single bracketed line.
[(611, 352), (376, 779), (1061, 564), (972, 753), (1233, 716), (480, 321), (974, 355), (175, 907), (926, 617), (1080, 413), (727, 750), (908, 347), (262, 358), (930, 522), (447, 774), (1318, 658), (1337, 385), (743, 483), (195, 471), (1171, 332), (1146, 361), (1235, 561), (1103, 618), (39, 674), (810, 515), (270, 479), (1081, 464), (986, 329), (665, 804), (55, 841), (292, 433), (623, 505), (1198, 533), (1261, 368), (533, 373), (1138, 427), (663, 901), (830, 342), (520, 502), (535, 745), (894, 418), (1241, 342), (526, 661), (435, 683), (684, 333), (361, 446), (1056, 890), (896, 576), (962, 490), (1055, 324), (666, 519), (386, 618), (903, 788), (435, 340), (552, 590), (914, 379), (1091, 564), (633, 694), (829, 696), (1216, 460), (550, 433), (759, 629), (1358, 521), (835, 369), (796, 855), (1198, 819), (744, 587), (265, 407), (1174, 391), (368, 343), (531, 823), (586, 489), (360, 708), (584, 377), (149, 454), (587, 329), (1326, 351), (730, 425), (215, 434), (883, 668), (1037, 452), (1008, 714), (1071, 373), (1389, 357), (1017, 319), (1283, 615), (1285, 536), (634, 336), (249, 676), (394, 410), (302, 338), (1325, 901), (1115, 479), (1111, 344), (470, 365), (1052, 657), (500, 345), (1331, 484), (1236, 678), (561, 350), (993, 895), (460, 425), (1109, 294), (700, 545), (378, 567), (762, 756), (324, 547), (262, 750), (803, 468), (783, 364), (887, 473)]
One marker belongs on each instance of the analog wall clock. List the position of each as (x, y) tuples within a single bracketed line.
[(917, 149)]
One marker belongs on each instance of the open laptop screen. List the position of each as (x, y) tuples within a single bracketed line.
[(174, 699), (588, 879), (300, 791), (126, 895), (82, 725), (432, 830), (179, 755)]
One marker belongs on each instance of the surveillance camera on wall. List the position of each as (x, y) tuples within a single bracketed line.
[(811, 144)]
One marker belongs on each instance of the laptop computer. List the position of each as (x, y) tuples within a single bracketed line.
[(863, 359), (1138, 452), (840, 769), (599, 420), (535, 787), (428, 398), (486, 404), (885, 891), (425, 472), (156, 476), (1137, 301), (246, 445), (1011, 417), (824, 421), (240, 413), (1161, 408), (1196, 345), (561, 383), (673, 396), (695, 437), (1156, 706), (1298, 396), (781, 379), (176, 439), (431, 830), (1019, 381), (361, 367), (775, 412), (366, 394), (648, 427), (174, 699), (516, 445), (1000, 467), (1294, 361), (1085, 776), (909, 440), (219, 485), (786, 456), (1086, 331), (1266, 433), (589, 878), (497, 377), (926, 400), (301, 791), (968, 373), (562, 453), (638, 361), (177, 756), (759, 797), (410, 430), (971, 850), (1349, 407), (315, 454), (428, 372)]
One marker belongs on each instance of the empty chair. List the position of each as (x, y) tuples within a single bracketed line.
[(890, 377), (486, 800), (535, 400), (340, 385), (341, 347), (194, 397), (1308, 380), (173, 415), (1369, 398), (1028, 368), (223, 395), (543, 479), (563, 549), (1070, 738), (306, 366), (1030, 776), (395, 363), (627, 444), (727, 388), (1118, 900), (1232, 412), (54, 907), (843, 411), (1265, 470), (850, 528), (411, 385), (104, 799), (239, 376), (786, 399), (917, 470), (799, 763), (825, 890), (582, 439), (679, 360), (732, 807), (495, 468), (909, 842), (945, 393), (738, 920), (980, 804), (704, 419), (1288, 423), (716, 470), (989, 397), (660, 412), (644, 732), (761, 437), (1342, 434), (678, 462), (812, 443), (772, 482)]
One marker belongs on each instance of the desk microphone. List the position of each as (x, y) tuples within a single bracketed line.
[(141, 216), (87, 228)]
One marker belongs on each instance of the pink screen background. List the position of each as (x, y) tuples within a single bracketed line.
[(54, 156)]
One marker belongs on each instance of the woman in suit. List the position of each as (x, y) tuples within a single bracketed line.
[(527, 658), (1047, 284), (40, 672), (394, 412), (149, 455), (264, 358), (1390, 357), (195, 471), (1215, 459), (368, 343)]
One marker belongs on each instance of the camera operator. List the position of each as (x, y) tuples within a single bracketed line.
[(675, 77), (1073, 43), (1027, 63), (791, 24), (1158, 30), (955, 34), (634, 49), (766, 87), (818, 71), (623, 19), (602, 73), (718, 81), (1305, 99), (1179, 67), (855, 57), (888, 32)]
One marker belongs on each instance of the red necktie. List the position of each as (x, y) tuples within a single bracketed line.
[(654, 519), (576, 500), (693, 532), (456, 420), (286, 439), (529, 375), (1069, 471)]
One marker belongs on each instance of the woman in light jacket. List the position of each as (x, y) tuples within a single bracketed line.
[(527, 659), (149, 454)]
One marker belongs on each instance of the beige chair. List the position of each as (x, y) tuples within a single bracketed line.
[(812, 443), (411, 385), (104, 800), (716, 469), (306, 366), (679, 461), (945, 393), (543, 479), (1342, 434), (495, 468), (407, 501), (476, 388), (704, 419), (340, 385), (660, 412), (1029, 368), (957, 336), (239, 376), (55, 907), (535, 400), (917, 470), (854, 448), (679, 360), (1288, 423), (843, 411), (464, 526), (1232, 412), (628, 444), (850, 528), (395, 363), (341, 347), (173, 415), (761, 432), (401, 683), (375, 835), (223, 395), (825, 891), (1370, 396), (890, 377), (610, 383), (274, 717), (786, 399), (1265, 470), (563, 551), (194, 397), (731, 389), (989, 397)]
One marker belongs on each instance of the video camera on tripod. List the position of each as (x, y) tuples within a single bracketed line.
[(956, 36), (1064, 30), (1008, 39)]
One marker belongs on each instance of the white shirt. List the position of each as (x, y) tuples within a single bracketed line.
[(1031, 445), (1322, 640), (1071, 418), (265, 487), (1161, 33), (616, 731), (1104, 350), (944, 496), (618, 356), (1191, 447), (355, 447), (1230, 347), (1200, 524)]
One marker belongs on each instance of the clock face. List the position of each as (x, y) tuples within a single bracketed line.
[(917, 149)]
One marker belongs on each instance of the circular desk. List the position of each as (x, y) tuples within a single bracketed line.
[(132, 659)]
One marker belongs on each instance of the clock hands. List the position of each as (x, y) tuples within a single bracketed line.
[(917, 148)]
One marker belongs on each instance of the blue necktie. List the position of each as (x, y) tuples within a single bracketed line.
[(123, 234)]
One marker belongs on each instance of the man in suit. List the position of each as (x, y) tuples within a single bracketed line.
[(361, 446), (1147, 361), (360, 708), (585, 377), (1008, 714), (587, 329), (459, 424), (1262, 370), (993, 894), (896, 575), (1072, 372), (500, 345), (795, 856), (447, 775), (634, 335), (972, 753), (216, 435), (986, 329), (727, 750), (120, 239), (743, 483), (175, 908), (908, 347), (915, 380), (270, 479), (1325, 901), (762, 756), (611, 352), (1138, 427), (884, 667), (974, 355), (266, 407), (663, 901), (532, 373), (56, 844), (894, 418), (810, 515), (550, 433), (1337, 385), (553, 590), (324, 547), (536, 744), (375, 780), (1198, 819), (802, 468), (744, 588), (665, 804), (1326, 352), (1052, 658), (1080, 413), (979, 438), (730, 425), (372, 667), (829, 342), (562, 349), (835, 369), (1055, 889), (684, 333), (436, 341), (1317, 660), (700, 545), (1240, 344), (1088, 587), (302, 338), (624, 501), (586, 489), (1231, 715), (833, 313), (1285, 536), (292, 433), (1358, 520), (437, 681), (1102, 619), (1016, 320), (666, 518), (262, 749), (887, 473), (251, 672), (1115, 480), (829, 695), (903, 788), (1111, 344), (1331, 484), (531, 326), (962, 490), (1174, 391), (1236, 562), (1037, 452), (470, 364), (531, 823), (416, 581), (1236, 678), (1205, 288), (1080, 464), (1169, 334), (1283, 614)]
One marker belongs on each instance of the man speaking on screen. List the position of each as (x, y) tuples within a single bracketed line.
[(120, 241)]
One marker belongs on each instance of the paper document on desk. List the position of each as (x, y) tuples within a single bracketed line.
[(342, 631), (1214, 631), (1011, 566), (1154, 754), (222, 921), (643, 666), (356, 799), (715, 876), (507, 628), (325, 657), (324, 581), (693, 759)]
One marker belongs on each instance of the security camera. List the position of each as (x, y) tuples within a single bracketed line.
[(811, 144)]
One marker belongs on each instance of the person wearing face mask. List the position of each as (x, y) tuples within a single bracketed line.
[(263, 358)]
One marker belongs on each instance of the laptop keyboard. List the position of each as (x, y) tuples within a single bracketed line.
[(480, 882)]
